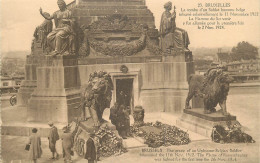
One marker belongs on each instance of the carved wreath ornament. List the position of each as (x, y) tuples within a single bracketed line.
[(115, 35), (119, 48), (123, 69)]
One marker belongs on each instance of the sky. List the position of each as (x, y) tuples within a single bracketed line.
[(20, 17)]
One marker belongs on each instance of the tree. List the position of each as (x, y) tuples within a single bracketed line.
[(244, 50)]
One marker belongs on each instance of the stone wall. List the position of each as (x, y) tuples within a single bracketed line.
[(158, 86)]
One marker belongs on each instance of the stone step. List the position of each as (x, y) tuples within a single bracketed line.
[(174, 120), (116, 60), (110, 7), (131, 143), (89, 19), (129, 3), (111, 11), (18, 161), (136, 17), (25, 129), (103, 13)]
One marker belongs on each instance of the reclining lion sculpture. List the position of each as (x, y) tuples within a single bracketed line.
[(213, 87), (97, 95)]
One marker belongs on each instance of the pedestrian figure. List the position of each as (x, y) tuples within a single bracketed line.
[(127, 112), (113, 114), (35, 150), (67, 144), (91, 154), (53, 138), (122, 99), (123, 123)]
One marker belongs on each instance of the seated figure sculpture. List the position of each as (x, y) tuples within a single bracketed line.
[(41, 32), (61, 39), (172, 37)]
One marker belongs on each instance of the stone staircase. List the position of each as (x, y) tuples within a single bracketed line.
[(87, 11)]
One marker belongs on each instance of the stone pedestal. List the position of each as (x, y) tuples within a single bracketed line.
[(195, 120), (178, 56), (83, 133), (25, 91), (138, 114), (197, 102), (58, 91), (30, 83), (182, 57)]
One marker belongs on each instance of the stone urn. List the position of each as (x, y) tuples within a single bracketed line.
[(138, 114)]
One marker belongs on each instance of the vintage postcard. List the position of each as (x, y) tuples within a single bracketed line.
[(130, 81)]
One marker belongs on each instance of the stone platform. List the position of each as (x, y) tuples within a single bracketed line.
[(14, 122), (88, 125), (57, 92), (197, 121), (217, 116)]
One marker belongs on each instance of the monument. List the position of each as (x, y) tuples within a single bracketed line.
[(213, 88), (121, 40), (57, 91), (105, 52)]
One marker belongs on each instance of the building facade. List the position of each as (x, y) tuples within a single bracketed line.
[(115, 34)]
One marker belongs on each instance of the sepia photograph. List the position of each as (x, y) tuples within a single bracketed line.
[(130, 81)]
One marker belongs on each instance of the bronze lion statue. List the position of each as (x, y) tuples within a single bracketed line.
[(213, 87), (97, 95)]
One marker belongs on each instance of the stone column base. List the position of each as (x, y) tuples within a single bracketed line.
[(58, 91), (25, 91), (61, 109)]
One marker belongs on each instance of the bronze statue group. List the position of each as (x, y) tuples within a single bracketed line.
[(62, 39)]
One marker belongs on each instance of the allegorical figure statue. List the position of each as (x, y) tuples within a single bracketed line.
[(41, 32), (172, 37), (61, 39)]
